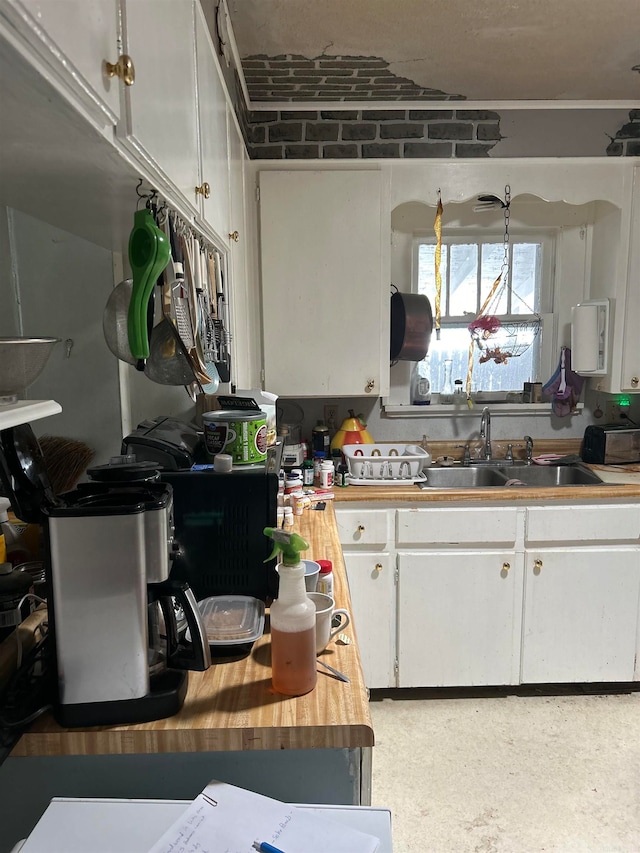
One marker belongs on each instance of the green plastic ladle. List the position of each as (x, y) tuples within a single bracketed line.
[(149, 253)]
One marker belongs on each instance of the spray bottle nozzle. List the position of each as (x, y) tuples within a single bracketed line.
[(288, 544)]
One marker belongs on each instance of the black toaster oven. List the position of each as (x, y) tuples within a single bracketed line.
[(611, 444)]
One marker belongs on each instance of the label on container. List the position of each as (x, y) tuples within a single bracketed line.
[(242, 435)]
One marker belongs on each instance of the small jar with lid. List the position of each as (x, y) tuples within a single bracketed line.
[(307, 472), (292, 483), (318, 459), (326, 474), (325, 578)]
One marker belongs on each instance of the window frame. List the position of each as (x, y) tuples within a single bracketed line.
[(548, 237)]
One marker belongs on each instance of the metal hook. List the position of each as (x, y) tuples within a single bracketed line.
[(147, 197)]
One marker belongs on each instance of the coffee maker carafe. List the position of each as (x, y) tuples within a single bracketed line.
[(108, 555)]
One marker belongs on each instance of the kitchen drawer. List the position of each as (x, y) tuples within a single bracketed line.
[(562, 524), (456, 525), (358, 527)]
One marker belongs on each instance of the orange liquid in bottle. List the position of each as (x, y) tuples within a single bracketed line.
[(293, 661)]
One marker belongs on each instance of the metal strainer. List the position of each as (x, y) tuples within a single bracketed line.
[(22, 360)]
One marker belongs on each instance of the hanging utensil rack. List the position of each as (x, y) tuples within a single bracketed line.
[(210, 264)]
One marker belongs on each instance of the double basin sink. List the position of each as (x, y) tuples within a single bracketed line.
[(509, 475)]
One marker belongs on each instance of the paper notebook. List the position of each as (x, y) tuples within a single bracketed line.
[(227, 819)]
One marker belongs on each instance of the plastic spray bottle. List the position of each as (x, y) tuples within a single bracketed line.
[(293, 620)]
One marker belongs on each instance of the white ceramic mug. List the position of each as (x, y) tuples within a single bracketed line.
[(325, 611)]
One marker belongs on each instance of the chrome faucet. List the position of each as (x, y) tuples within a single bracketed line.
[(485, 431), (528, 442)]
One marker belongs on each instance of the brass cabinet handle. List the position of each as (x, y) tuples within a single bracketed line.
[(506, 566), (123, 68), (234, 236), (634, 381), (369, 386), (537, 564), (360, 528), (204, 190), (379, 567)]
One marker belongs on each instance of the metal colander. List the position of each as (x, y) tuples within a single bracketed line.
[(22, 360)]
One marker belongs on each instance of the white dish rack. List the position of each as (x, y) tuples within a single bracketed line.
[(385, 463)]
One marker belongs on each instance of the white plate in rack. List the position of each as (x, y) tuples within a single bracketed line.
[(398, 481)]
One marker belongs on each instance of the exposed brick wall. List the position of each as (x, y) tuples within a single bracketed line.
[(355, 134), (292, 77), (626, 142), (330, 134)]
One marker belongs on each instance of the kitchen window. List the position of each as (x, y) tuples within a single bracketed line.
[(469, 266)]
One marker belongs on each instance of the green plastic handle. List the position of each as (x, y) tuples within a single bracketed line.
[(149, 253)]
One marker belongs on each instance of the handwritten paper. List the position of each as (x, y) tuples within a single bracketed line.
[(228, 819)]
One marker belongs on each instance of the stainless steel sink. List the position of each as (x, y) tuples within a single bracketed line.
[(552, 475), (483, 476), (462, 478)]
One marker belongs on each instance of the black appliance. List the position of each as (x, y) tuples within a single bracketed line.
[(611, 444), (172, 444), (108, 551), (219, 522)]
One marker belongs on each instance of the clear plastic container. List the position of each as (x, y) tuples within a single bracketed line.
[(232, 622)]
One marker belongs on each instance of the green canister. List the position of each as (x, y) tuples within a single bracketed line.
[(243, 435)]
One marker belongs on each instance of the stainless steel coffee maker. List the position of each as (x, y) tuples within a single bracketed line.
[(108, 553)]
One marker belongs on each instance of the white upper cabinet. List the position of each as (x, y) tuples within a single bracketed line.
[(325, 283), (630, 353), (212, 114), (72, 39), (160, 122)]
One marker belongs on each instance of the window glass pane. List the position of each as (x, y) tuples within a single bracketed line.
[(492, 258), (463, 283), (527, 258), (454, 344)]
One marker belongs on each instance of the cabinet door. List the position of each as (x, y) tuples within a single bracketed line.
[(212, 113), (245, 296), (74, 38), (630, 376), (459, 618), (580, 614), (160, 124), (325, 303), (371, 587)]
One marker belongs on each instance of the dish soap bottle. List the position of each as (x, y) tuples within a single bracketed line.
[(421, 383), (293, 620)]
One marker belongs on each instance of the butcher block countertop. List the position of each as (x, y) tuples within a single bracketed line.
[(521, 494), (232, 707)]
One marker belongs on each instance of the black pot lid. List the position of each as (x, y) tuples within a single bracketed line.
[(23, 473), (124, 473)]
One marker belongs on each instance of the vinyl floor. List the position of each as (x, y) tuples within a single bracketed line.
[(508, 773)]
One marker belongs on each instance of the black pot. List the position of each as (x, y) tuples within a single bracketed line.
[(411, 326)]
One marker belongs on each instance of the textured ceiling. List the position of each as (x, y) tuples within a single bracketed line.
[(480, 50)]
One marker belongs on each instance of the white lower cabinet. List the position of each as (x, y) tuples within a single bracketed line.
[(459, 618), (580, 614), (371, 586), (494, 595), (371, 572)]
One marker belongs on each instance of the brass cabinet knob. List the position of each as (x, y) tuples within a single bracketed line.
[(379, 567), (123, 68), (360, 528), (369, 386), (506, 567), (204, 190), (634, 381), (234, 236), (537, 565)]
